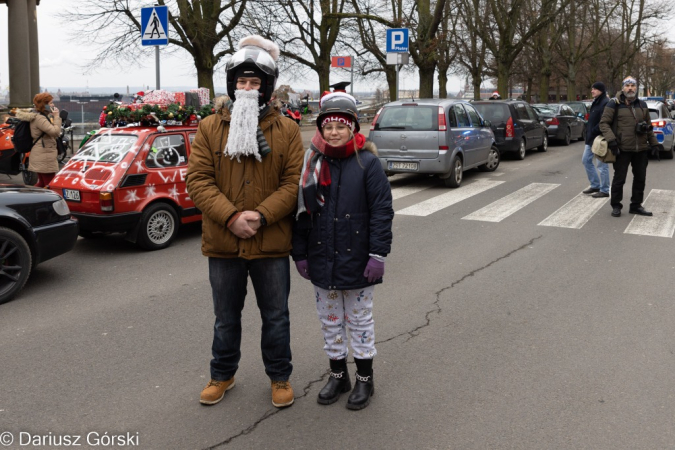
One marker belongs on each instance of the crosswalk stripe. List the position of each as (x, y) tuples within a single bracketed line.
[(504, 207), (439, 202), (662, 224), (575, 213), (404, 191)]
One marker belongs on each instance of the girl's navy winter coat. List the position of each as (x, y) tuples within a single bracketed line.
[(354, 222)]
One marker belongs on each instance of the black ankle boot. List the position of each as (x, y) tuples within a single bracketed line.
[(364, 388), (338, 382)]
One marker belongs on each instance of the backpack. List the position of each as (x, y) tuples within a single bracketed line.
[(22, 139)]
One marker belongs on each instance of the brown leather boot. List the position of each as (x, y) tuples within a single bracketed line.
[(282, 394), (215, 391)]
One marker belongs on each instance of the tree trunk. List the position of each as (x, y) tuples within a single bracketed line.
[(503, 70), (476, 81), (391, 82), (426, 72), (324, 78), (205, 78), (442, 82), (571, 82)]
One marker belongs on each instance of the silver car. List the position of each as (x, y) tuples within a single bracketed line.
[(434, 136)]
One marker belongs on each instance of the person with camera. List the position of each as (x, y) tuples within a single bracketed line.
[(626, 125)]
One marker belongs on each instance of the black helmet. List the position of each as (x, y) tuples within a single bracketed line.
[(256, 58), (338, 103)]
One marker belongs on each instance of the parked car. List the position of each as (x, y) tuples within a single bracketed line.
[(588, 104), (434, 136), (562, 122), (131, 180), (35, 225), (664, 126), (516, 126)]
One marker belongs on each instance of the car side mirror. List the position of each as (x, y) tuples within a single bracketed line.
[(487, 123)]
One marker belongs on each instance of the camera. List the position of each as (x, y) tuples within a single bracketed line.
[(643, 127)]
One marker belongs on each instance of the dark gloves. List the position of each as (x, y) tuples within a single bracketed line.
[(303, 268), (613, 147), (656, 151), (374, 270)]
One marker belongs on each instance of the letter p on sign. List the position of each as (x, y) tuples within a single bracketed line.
[(397, 40)]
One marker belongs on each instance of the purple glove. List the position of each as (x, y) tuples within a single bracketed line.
[(303, 268), (374, 270)]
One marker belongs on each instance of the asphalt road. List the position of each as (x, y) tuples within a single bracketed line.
[(500, 334)]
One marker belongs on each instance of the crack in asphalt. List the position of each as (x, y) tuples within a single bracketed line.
[(437, 309), (411, 334), (267, 415)]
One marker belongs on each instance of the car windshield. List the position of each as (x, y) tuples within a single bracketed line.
[(110, 148), (653, 114), (494, 112), (545, 109), (413, 118), (577, 107)]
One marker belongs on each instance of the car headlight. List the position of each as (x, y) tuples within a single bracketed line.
[(61, 207)]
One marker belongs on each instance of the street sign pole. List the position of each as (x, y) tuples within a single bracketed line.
[(351, 86), (397, 68), (157, 66)]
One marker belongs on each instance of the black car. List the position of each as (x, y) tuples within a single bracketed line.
[(35, 225), (516, 126), (562, 122)]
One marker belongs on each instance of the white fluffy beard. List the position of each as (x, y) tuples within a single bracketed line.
[(242, 140)]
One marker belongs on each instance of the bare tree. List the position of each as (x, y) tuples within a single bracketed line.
[(471, 50), (203, 28), (307, 31)]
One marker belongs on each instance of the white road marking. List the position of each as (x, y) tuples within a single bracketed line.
[(449, 198), (662, 223), (404, 191), (504, 207), (575, 213)]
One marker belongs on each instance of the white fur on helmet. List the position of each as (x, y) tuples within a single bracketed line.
[(334, 95), (259, 41)]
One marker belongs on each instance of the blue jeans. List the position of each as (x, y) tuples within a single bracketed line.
[(597, 182), (271, 279)]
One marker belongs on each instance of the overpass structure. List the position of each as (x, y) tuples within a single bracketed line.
[(23, 51)]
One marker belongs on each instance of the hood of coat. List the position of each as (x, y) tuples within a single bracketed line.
[(27, 115), (223, 104)]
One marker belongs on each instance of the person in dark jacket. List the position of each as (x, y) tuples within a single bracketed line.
[(599, 184), (341, 238), (626, 125)]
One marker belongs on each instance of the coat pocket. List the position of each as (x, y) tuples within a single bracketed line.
[(276, 238), (218, 239)]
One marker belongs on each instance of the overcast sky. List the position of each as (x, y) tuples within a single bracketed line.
[(62, 61)]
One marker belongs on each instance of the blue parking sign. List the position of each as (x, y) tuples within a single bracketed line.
[(155, 25), (397, 40)]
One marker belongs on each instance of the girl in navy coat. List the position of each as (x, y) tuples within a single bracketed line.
[(341, 238)]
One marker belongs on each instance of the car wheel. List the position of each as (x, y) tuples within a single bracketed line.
[(521, 150), (29, 178), (456, 173), (544, 144), (492, 161), (158, 227), (668, 154), (15, 263), (568, 137), (583, 134)]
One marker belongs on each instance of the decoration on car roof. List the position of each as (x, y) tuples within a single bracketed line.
[(145, 114)]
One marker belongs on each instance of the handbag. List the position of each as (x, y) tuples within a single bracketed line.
[(601, 150)]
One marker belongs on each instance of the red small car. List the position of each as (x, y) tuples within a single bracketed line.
[(131, 180)]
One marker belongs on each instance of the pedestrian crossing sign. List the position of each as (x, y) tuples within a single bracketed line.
[(155, 25)]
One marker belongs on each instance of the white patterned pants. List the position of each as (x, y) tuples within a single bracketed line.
[(339, 310)]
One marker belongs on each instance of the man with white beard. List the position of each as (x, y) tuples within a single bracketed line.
[(627, 127), (243, 175)]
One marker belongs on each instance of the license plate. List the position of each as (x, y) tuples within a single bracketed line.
[(403, 165), (72, 195)]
